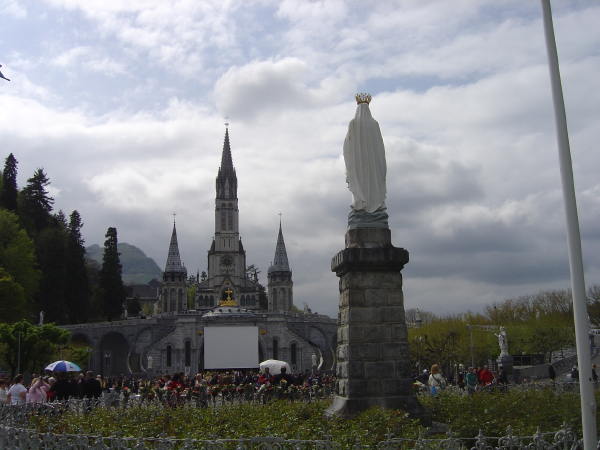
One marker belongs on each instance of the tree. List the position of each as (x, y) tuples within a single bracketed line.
[(594, 304), (8, 193), (51, 247), (13, 304), (20, 278), (30, 347), (77, 294), (35, 203), (111, 289)]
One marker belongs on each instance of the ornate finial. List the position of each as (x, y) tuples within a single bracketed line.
[(226, 122), (363, 97), (280, 214), (174, 214)]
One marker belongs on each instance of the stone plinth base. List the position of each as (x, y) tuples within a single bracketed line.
[(372, 343), (506, 362)]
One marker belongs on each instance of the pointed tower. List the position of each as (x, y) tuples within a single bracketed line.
[(173, 295), (226, 257), (280, 284)]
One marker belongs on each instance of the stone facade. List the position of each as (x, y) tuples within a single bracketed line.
[(171, 340)]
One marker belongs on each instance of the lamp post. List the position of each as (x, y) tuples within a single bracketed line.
[(19, 353)]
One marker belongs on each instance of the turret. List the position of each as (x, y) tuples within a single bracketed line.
[(280, 285), (173, 296)]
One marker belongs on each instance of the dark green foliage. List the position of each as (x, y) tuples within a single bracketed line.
[(111, 289), (8, 192), (278, 419), (35, 203), (18, 274), (492, 412), (263, 300), (39, 345), (77, 295), (51, 248)]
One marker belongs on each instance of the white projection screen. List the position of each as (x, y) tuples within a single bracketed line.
[(230, 347)]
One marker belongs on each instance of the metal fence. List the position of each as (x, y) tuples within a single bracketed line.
[(16, 433)]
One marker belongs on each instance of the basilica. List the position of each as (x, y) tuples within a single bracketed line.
[(222, 319)]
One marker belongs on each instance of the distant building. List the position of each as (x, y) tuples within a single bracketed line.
[(172, 339)]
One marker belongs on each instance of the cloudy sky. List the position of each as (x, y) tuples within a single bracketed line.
[(123, 104)]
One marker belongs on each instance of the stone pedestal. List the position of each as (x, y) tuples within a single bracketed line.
[(373, 367), (506, 362)]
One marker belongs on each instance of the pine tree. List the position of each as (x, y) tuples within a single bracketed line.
[(51, 249), (8, 193), (35, 203), (78, 286), (112, 291)]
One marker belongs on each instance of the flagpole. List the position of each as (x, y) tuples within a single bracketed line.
[(588, 402)]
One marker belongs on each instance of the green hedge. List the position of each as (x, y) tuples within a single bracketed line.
[(465, 415)]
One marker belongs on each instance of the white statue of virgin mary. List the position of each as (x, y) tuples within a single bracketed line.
[(364, 154)]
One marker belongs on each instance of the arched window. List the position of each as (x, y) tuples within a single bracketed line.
[(169, 356), (223, 220), (172, 300), (212, 300), (275, 348), (293, 352), (282, 299), (179, 300), (188, 353), (274, 299), (253, 301), (230, 219), (165, 297)]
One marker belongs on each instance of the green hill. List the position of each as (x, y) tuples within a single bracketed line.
[(137, 267)]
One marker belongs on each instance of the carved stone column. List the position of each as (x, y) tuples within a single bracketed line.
[(373, 364)]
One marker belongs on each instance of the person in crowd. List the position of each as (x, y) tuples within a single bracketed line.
[(460, 376), (38, 391), (283, 376), (471, 381), (485, 376), (436, 381), (502, 377), (63, 389), (594, 374), (50, 392), (90, 386), (3, 392), (17, 392), (574, 374), (551, 373), (265, 377)]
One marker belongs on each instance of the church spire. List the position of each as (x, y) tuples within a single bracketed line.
[(226, 178), (173, 259), (226, 161), (280, 262)]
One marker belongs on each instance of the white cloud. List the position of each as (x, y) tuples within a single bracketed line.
[(13, 8), (461, 91)]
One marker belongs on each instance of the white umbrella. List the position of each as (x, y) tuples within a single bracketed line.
[(274, 366)]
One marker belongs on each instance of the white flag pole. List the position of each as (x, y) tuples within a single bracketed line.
[(588, 402)]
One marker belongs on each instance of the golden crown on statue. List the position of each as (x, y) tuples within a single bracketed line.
[(363, 97)]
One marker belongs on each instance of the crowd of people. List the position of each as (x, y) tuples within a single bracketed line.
[(469, 380), (172, 388)]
